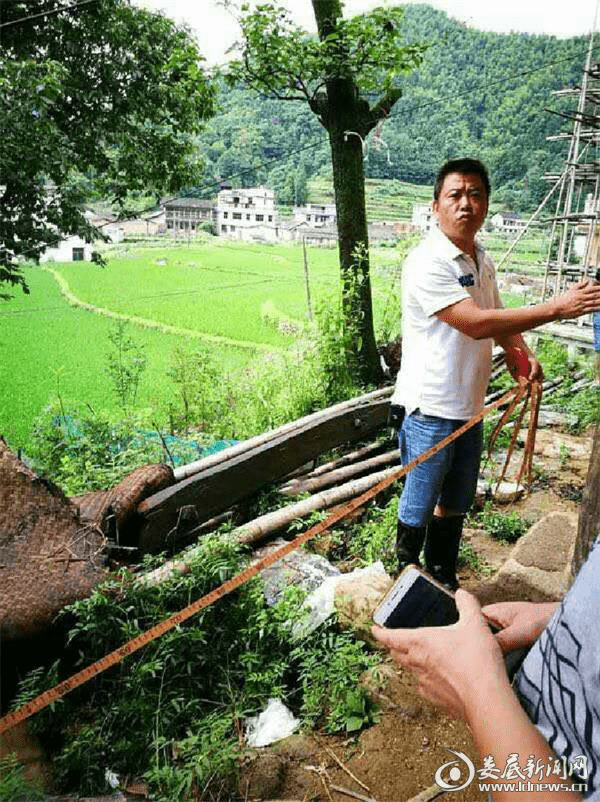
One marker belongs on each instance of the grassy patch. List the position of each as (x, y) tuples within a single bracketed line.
[(50, 350)]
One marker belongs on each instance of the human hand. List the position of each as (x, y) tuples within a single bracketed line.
[(520, 623), (522, 363), (580, 299), (451, 663)]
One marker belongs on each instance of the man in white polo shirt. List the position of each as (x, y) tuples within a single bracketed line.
[(451, 315)]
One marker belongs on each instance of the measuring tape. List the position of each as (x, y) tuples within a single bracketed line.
[(113, 658)]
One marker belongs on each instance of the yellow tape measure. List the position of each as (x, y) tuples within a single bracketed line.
[(113, 658)]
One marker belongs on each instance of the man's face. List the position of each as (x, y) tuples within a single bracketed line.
[(461, 207)]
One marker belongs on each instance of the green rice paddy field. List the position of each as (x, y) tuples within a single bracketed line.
[(228, 296)]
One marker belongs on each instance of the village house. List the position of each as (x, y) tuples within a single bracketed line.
[(70, 249), (75, 248), (422, 217), (316, 215), (247, 214), (508, 223), (149, 225), (186, 215)]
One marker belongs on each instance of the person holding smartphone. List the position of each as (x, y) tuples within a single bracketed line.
[(552, 709), (451, 316)]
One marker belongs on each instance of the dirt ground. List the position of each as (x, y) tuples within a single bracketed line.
[(396, 759)]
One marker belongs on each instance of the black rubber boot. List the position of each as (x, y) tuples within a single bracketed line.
[(409, 542), (441, 548)]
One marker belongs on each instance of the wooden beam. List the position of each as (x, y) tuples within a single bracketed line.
[(223, 483)]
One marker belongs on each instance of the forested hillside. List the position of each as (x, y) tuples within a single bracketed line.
[(477, 93)]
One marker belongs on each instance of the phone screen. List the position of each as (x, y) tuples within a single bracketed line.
[(422, 604)]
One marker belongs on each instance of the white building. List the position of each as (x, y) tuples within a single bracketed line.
[(508, 222), (71, 249), (247, 214), (422, 217), (316, 215)]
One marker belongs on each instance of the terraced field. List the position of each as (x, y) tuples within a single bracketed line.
[(241, 301)]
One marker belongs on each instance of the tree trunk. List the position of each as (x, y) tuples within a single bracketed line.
[(353, 243), (348, 120), (589, 515)]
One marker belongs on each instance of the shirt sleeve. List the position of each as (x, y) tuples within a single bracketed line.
[(437, 286)]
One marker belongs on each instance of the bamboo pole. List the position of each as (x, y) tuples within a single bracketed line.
[(346, 459), (278, 519), (340, 474)]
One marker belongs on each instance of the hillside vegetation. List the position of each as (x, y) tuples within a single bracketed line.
[(477, 93)]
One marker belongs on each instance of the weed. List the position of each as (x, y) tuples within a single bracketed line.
[(564, 455), (88, 453), (332, 694), (125, 364), (504, 526), (198, 387), (374, 538), (468, 557), (14, 786)]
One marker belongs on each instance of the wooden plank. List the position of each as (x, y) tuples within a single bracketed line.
[(216, 488), (241, 448)]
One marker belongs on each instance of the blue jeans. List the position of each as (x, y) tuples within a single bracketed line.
[(448, 478)]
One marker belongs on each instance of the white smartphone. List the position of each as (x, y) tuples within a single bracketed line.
[(416, 600)]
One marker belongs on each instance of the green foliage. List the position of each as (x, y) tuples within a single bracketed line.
[(125, 364), (553, 357), (502, 525), (199, 391), (332, 694), (173, 711), (374, 538), (283, 61), (333, 345), (467, 556), (107, 100), (585, 404), (88, 452), (14, 786), (497, 80)]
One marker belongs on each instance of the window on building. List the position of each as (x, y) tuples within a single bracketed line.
[(225, 215), (232, 228), (260, 218), (237, 215), (78, 255), (247, 217), (224, 229), (270, 218)]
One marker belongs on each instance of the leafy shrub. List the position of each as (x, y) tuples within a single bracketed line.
[(504, 526), (88, 453)]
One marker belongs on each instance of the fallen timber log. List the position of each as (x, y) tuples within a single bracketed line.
[(258, 529), (342, 474), (223, 479), (370, 450)]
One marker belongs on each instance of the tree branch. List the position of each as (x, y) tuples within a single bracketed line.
[(385, 104)]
